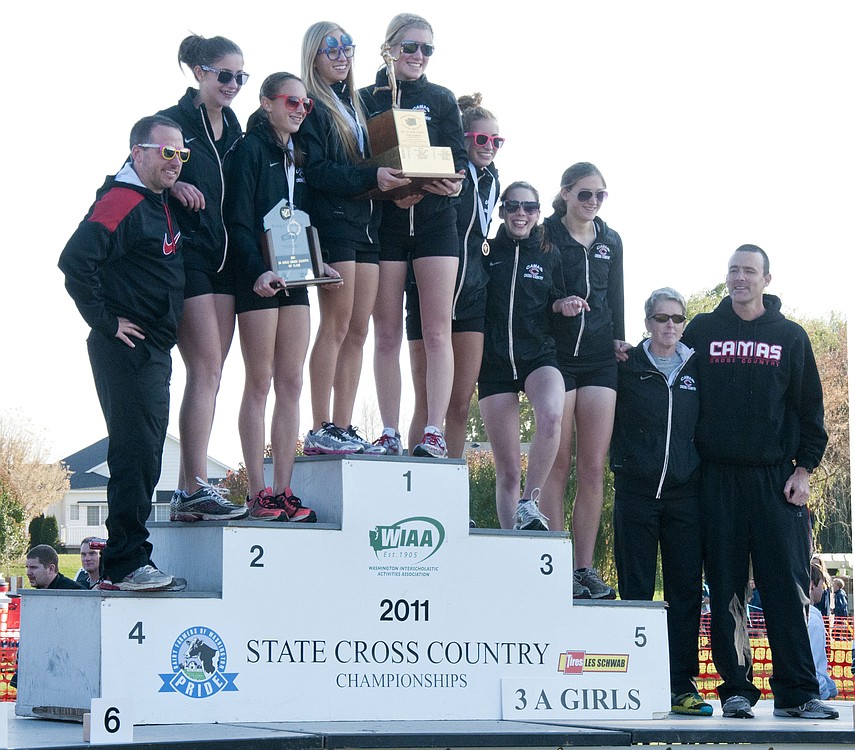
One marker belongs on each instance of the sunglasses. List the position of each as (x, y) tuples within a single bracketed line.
[(293, 102), (169, 152), (482, 139), (334, 51), (530, 207), (226, 76), (410, 48), (664, 318), (583, 196)]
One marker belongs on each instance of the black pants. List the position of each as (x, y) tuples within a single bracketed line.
[(133, 388), (643, 524), (745, 513)]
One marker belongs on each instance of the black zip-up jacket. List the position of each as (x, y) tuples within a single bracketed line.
[(470, 289), (445, 128), (761, 402), (596, 275), (524, 282), (653, 444), (257, 181), (205, 237), (123, 261), (335, 181)]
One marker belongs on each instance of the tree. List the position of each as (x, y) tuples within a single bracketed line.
[(32, 482), (13, 530), (831, 483), (45, 530)]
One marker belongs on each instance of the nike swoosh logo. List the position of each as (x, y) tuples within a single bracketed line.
[(494, 263), (187, 140), (275, 163), (169, 247)]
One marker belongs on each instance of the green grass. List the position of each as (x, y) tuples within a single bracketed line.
[(68, 565)]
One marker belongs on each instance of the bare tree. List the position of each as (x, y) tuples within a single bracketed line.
[(32, 481)]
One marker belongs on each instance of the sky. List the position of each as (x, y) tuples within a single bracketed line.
[(713, 124)]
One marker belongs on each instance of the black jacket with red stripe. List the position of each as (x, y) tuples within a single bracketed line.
[(123, 261)]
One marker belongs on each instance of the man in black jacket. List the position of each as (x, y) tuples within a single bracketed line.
[(760, 435), (124, 273), (43, 570)]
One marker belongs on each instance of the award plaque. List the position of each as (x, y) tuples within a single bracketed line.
[(293, 249), (399, 140)]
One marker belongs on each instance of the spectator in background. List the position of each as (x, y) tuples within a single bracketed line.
[(90, 560), (43, 569), (824, 603), (841, 603), (816, 631)]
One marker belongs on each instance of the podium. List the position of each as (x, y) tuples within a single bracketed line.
[(389, 608)]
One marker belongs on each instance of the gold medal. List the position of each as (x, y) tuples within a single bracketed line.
[(485, 248)]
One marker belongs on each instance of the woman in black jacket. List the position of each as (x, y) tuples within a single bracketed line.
[(211, 131), (423, 229), (524, 293), (656, 466), (336, 144), (474, 212), (273, 320), (589, 347)]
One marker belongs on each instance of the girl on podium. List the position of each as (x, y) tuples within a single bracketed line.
[(524, 293), (211, 131), (589, 348), (273, 320), (423, 229), (336, 142), (474, 212)]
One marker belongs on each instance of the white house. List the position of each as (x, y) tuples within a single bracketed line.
[(83, 509)]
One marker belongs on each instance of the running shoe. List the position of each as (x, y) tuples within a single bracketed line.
[(690, 704), (432, 446), (528, 516), (579, 591), (208, 503), (813, 709), (329, 440), (264, 507), (739, 707), (144, 578), (293, 508), (371, 449), (390, 442), (590, 579)]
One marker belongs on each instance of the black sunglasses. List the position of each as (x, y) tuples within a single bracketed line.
[(664, 318), (225, 76), (410, 48), (530, 207)]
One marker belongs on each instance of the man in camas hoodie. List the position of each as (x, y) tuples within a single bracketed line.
[(760, 435)]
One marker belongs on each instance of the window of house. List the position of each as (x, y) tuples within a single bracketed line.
[(95, 515), (74, 512)]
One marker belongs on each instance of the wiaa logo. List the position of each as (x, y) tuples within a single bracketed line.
[(419, 537)]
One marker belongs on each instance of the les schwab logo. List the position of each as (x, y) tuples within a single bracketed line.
[(577, 662)]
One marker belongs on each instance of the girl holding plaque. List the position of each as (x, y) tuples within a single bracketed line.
[(273, 320), (211, 131), (474, 212), (336, 143), (589, 348), (421, 229)]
